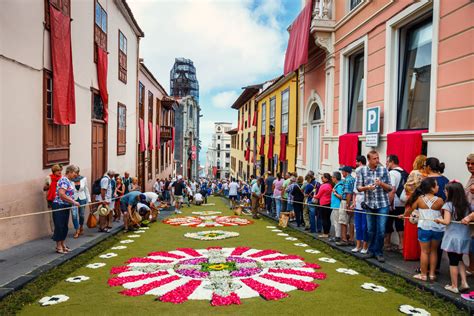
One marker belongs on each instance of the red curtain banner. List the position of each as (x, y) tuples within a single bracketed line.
[(297, 50), (255, 116), (158, 136), (262, 145), (282, 147), (271, 141), (247, 154), (172, 139), (102, 79), (348, 149), (150, 136), (406, 145), (64, 100), (214, 171), (238, 123), (141, 133)]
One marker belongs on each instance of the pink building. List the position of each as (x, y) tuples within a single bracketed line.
[(412, 59)]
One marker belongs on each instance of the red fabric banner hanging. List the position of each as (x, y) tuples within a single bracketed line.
[(141, 133), (158, 136), (255, 116), (271, 141), (64, 100), (348, 149), (247, 154), (297, 50), (283, 147), (238, 123), (172, 139), (150, 136), (102, 79), (406, 145), (262, 145), (249, 120)]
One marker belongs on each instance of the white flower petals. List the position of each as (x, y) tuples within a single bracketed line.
[(211, 235), (207, 213), (272, 227), (127, 241), (283, 234), (118, 247), (347, 271), (95, 265), (312, 251), (139, 232), (52, 300), (276, 230), (299, 244), (133, 236), (328, 260), (108, 255), (373, 287), (410, 310), (144, 228), (291, 238), (77, 279)]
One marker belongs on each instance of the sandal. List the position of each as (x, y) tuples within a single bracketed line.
[(60, 250), (464, 289), (451, 289), (76, 235), (420, 277), (66, 248), (432, 277)]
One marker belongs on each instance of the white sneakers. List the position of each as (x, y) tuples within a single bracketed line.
[(355, 249), (362, 251), (177, 212)]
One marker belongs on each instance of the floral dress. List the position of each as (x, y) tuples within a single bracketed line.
[(66, 185)]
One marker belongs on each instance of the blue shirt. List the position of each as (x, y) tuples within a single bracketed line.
[(339, 188), (349, 183), (130, 198), (442, 181)]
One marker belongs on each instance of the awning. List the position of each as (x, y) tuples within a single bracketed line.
[(348, 149), (406, 145), (297, 50)]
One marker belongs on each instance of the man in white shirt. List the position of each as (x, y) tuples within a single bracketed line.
[(157, 186), (198, 199), (105, 196), (397, 207), (233, 193)]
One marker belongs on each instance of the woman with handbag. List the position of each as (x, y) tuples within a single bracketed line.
[(81, 195)]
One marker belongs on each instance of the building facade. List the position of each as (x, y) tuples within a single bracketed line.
[(409, 60), (183, 80), (187, 145), (91, 138), (218, 152), (156, 121), (277, 126)]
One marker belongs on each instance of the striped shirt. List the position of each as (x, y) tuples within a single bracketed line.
[(377, 198)]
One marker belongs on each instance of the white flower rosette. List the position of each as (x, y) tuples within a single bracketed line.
[(206, 213), (108, 255), (410, 310), (271, 227), (119, 247), (373, 287), (347, 271), (327, 260), (77, 279), (291, 238), (314, 251), (282, 234), (127, 241), (276, 230), (299, 244), (144, 228), (211, 235), (140, 232), (133, 236), (53, 300), (96, 265)]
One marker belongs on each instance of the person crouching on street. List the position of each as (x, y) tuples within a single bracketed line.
[(127, 203)]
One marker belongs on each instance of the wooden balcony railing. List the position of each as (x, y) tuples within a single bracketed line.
[(165, 133)]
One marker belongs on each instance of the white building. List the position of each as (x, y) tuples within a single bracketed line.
[(31, 143), (218, 152)]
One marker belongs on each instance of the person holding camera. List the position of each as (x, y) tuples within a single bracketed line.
[(374, 181)]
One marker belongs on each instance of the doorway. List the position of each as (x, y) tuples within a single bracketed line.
[(315, 141), (99, 137)]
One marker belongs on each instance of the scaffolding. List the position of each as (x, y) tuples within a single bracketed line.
[(183, 81)]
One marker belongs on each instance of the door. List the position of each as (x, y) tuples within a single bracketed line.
[(99, 155), (315, 154)]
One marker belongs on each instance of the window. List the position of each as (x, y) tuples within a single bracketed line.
[(100, 28), (190, 112), (264, 119), (227, 155), (64, 6), (227, 146), (354, 3), (218, 137), (356, 93), (98, 106), (227, 165), (218, 146), (55, 137), (121, 129), (414, 76), (122, 57), (272, 114), (150, 120), (284, 110)]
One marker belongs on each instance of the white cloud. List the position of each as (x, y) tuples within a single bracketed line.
[(224, 100)]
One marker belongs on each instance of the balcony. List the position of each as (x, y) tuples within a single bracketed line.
[(165, 133), (323, 16)]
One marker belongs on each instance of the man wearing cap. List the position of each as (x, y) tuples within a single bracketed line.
[(105, 196), (179, 188), (345, 218), (128, 203)]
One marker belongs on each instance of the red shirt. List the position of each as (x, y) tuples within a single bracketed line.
[(324, 194)]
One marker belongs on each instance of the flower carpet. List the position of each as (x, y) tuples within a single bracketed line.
[(256, 272)]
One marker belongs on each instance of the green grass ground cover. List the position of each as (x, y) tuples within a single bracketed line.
[(338, 294)]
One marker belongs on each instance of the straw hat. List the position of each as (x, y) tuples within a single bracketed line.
[(103, 210)]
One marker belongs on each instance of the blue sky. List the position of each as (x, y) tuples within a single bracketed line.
[(233, 43)]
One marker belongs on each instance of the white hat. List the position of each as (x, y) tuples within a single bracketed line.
[(180, 177)]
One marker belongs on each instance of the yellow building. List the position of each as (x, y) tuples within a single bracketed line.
[(243, 146), (277, 126)]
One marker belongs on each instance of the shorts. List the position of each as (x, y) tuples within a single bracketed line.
[(123, 207), (429, 235), (399, 226), (343, 217), (289, 207), (233, 197), (178, 198)]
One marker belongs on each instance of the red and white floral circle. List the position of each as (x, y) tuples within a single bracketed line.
[(223, 276), (207, 221)]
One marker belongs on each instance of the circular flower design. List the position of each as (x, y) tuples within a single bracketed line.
[(373, 287), (77, 279), (291, 238), (272, 227), (207, 221), (52, 300), (347, 271), (410, 310), (108, 255), (127, 241), (211, 235), (223, 276), (328, 260), (95, 265), (119, 247), (207, 213), (299, 244), (312, 251)]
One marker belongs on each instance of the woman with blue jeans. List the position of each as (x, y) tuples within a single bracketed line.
[(82, 196), (277, 191)]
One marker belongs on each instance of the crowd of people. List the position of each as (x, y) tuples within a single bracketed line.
[(361, 208)]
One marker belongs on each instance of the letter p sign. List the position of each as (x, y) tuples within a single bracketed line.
[(373, 120)]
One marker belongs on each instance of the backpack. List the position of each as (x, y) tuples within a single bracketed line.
[(96, 190), (403, 180)]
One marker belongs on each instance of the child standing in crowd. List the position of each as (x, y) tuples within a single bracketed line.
[(457, 237), (430, 233)]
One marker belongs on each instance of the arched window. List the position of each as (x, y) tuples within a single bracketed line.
[(317, 114)]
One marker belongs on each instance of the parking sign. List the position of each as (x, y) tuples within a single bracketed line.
[(373, 120)]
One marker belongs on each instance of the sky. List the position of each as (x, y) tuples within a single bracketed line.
[(233, 43)]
